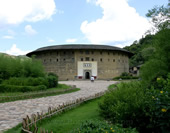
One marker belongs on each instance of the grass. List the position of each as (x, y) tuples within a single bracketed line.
[(112, 86), (69, 120), (14, 96)]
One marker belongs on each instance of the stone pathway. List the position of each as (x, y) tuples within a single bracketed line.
[(11, 113)]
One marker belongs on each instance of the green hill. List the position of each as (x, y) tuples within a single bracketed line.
[(141, 49)]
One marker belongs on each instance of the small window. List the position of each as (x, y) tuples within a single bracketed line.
[(108, 53), (108, 59), (101, 52), (87, 58), (50, 60), (81, 59), (101, 59), (92, 59), (113, 60), (64, 52), (64, 59), (81, 52), (87, 52), (92, 52), (72, 59), (44, 60)]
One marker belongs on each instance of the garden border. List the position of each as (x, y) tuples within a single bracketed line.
[(29, 124), (33, 94)]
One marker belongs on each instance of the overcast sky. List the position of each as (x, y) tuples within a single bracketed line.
[(26, 25)]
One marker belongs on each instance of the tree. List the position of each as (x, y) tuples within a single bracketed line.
[(139, 48), (160, 16), (159, 63)]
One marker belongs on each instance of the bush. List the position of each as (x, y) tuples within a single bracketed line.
[(160, 109), (125, 75), (15, 88), (20, 67), (147, 110), (1, 80), (52, 80), (30, 81), (127, 106), (159, 63), (92, 126)]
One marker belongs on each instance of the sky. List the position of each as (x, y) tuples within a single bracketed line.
[(26, 25)]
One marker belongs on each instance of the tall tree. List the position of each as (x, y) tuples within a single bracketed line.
[(159, 62), (160, 16)]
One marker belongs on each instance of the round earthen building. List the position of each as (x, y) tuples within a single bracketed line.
[(81, 61)]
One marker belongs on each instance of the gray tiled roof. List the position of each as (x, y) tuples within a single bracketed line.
[(79, 47)]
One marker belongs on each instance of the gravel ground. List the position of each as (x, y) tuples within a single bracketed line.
[(11, 113)]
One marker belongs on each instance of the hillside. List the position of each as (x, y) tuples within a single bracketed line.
[(141, 49), (13, 56)]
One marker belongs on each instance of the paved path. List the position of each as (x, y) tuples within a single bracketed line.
[(11, 113)]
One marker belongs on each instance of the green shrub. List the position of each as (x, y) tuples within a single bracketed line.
[(160, 109), (52, 80), (20, 67), (159, 63), (127, 105), (147, 110), (92, 126), (30, 81), (15, 88), (125, 75), (1, 80)]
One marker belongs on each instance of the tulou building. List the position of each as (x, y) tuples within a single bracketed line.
[(81, 61)]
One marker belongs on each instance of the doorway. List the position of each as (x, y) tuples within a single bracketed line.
[(87, 75)]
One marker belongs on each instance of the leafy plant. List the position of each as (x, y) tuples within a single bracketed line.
[(17, 67), (15, 88), (30, 81), (159, 64), (52, 80), (96, 126), (160, 109), (126, 75), (127, 105)]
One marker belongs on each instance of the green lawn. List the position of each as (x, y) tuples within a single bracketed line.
[(69, 120), (13, 96)]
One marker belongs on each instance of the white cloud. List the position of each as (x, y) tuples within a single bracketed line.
[(72, 40), (16, 51), (29, 30), (17, 11), (51, 40), (8, 37), (120, 23)]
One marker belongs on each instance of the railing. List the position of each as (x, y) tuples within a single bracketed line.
[(29, 125)]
